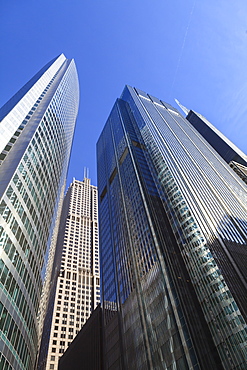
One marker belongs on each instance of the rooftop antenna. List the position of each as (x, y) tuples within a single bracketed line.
[(86, 173)]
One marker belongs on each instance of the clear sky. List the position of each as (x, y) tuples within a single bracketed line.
[(192, 50)]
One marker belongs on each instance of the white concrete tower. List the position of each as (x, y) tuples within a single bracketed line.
[(77, 289)]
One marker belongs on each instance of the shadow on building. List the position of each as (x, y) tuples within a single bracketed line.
[(86, 350)]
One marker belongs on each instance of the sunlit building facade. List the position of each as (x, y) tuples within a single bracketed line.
[(36, 132), (173, 243), (76, 273)]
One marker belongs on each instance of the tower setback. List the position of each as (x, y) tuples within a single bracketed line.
[(75, 286)]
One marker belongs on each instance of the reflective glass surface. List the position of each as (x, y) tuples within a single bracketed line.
[(173, 241), (33, 173)]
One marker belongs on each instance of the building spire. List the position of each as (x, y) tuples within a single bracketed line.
[(86, 173), (184, 109)]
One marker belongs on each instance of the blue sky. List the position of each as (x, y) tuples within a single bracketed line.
[(193, 50)]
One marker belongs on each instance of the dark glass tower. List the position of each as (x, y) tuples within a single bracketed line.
[(36, 132), (173, 243), (223, 146), (226, 149)]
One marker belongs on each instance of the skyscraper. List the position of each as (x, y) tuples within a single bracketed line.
[(36, 132), (76, 274), (86, 350), (224, 147), (173, 243)]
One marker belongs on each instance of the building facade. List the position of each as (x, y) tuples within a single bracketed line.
[(224, 147), (76, 274), (86, 350), (173, 243), (36, 132)]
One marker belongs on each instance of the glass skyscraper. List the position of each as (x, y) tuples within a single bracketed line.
[(173, 238), (223, 146), (36, 133)]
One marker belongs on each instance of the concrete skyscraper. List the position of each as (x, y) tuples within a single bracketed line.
[(76, 274), (36, 132), (173, 243)]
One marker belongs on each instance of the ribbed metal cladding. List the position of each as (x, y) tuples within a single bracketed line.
[(172, 234)]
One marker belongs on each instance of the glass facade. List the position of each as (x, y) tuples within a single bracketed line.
[(36, 136), (224, 147), (173, 243)]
